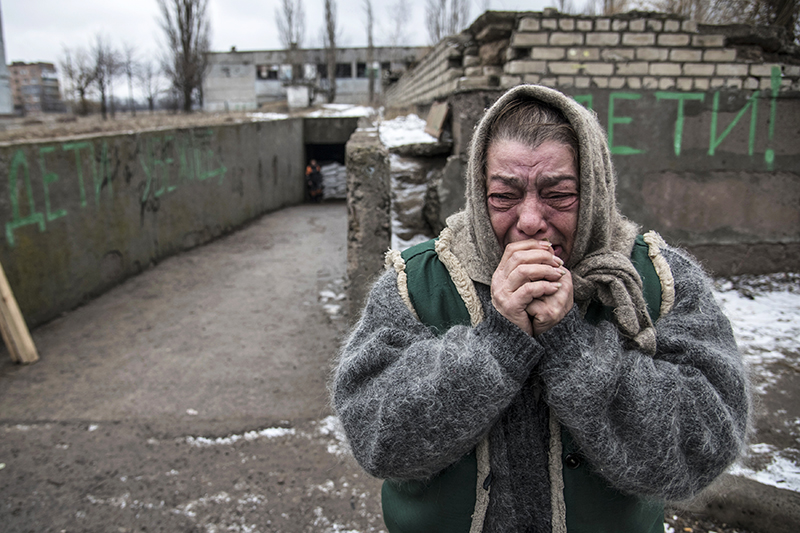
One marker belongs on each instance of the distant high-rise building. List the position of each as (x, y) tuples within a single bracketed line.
[(6, 105), (34, 87)]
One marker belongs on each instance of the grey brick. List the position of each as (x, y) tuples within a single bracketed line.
[(751, 84), (633, 69), (698, 69), (637, 25), (548, 52), (471, 61), (599, 69), (619, 25), (684, 84), (564, 67), (510, 81), (616, 82), (649, 53), (720, 56), (473, 71), (674, 39), (708, 41), (655, 25), (731, 69), (665, 69), (601, 82), (566, 81), (567, 24), (672, 25), (638, 39), (526, 67), (689, 26), (685, 54), (602, 39), (550, 24), (584, 54), (566, 39), (701, 84), (602, 24), (634, 82), (532, 78), (582, 82), (666, 83), (649, 82), (585, 25), (618, 54), (524, 40), (529, 24)]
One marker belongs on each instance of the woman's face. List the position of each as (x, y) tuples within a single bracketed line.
[(533, 193)]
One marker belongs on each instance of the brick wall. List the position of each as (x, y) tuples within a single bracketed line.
[(639, 51)]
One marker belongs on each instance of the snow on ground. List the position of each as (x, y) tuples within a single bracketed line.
[(342, 110), (765, 315), (257, 117), (409, 129)]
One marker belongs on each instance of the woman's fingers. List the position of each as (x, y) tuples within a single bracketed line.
[(528, 270)]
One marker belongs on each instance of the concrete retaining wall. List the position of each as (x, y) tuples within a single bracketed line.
[(82, 214)]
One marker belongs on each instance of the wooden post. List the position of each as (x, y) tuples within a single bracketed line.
[(12, 326)]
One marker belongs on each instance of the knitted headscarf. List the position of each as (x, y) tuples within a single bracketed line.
[(600, 260)]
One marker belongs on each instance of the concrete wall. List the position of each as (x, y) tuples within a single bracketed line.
[(368, 213), (82, 214), (701, 120)]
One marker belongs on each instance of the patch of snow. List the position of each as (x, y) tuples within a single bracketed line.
[(269, 433), (257, 117), (342, 110), (331, 426), (765, 315), (780, 471), (409, 129)]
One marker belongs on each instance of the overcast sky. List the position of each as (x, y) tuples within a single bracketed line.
[(38, 30)]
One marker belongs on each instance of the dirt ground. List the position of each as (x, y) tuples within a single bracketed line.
[(192, 397)]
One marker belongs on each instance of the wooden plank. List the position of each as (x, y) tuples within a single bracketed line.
[(436, 117), (12, 326)]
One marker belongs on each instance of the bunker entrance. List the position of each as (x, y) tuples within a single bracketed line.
[(330, 157)]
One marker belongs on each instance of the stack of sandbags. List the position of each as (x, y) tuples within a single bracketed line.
[(334, 181)]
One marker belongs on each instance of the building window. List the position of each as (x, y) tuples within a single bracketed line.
[(361, 70), (344, 70), (267, 72)]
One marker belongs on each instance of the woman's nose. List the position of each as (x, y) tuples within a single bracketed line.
[(531, 218)]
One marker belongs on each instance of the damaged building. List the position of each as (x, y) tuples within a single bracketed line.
[(246, 80)]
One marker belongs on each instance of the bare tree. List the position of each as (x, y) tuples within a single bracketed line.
[(188, 32), (330, 47), (445, 18), (606, 7), (370, 22), (80, 73), (782, 13), (149, 82), (399, 15), (129, 67), (291, 22), (105, 66)]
